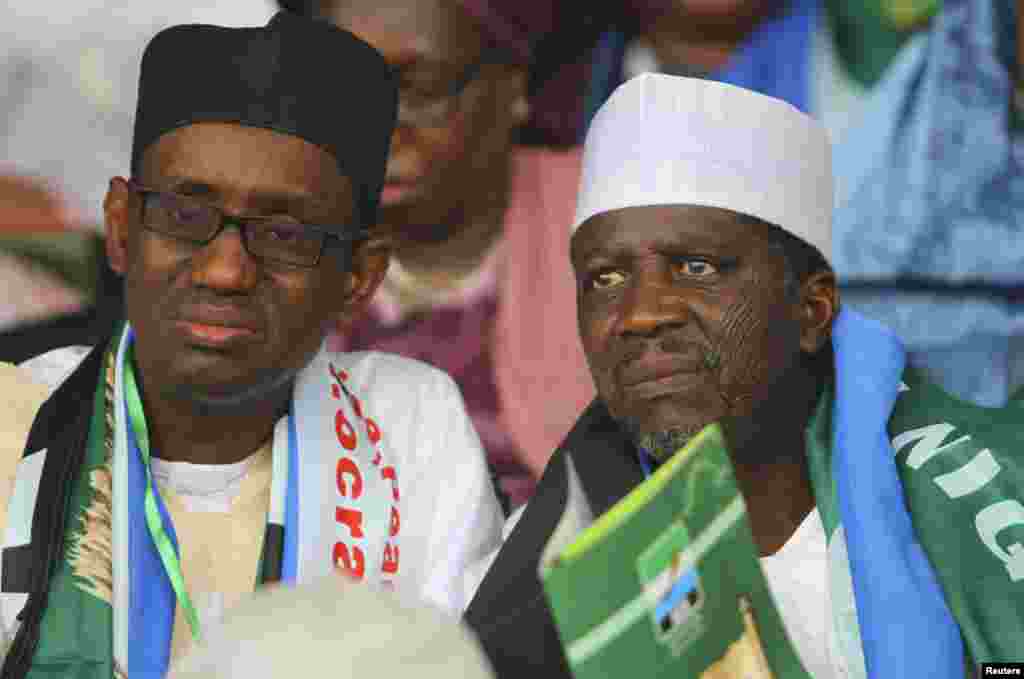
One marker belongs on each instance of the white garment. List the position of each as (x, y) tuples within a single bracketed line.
[(334, 628), (798, 578), (202, 487), (476, 572), (450, 515)]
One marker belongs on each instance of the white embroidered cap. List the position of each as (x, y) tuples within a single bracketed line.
[(333, 628), (669, 140)]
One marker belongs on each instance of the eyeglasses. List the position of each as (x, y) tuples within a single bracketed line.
[(276, 238), (417, 108)]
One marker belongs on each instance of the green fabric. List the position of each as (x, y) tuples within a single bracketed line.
[(962, 475), (75, 636), (868, 34), (818, 438)]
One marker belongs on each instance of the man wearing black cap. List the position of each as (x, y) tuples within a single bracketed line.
[(212, 443)]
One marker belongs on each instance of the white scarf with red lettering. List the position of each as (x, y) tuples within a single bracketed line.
[(345, 482)]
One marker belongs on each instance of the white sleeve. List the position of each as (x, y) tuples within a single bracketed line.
[(457, 514), (53, 367), (477, 571)]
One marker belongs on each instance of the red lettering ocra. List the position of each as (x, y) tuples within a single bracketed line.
[(353, 560)]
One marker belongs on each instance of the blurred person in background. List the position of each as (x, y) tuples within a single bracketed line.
[(68, 74), (821, 56), (479, 283), (930, 202), (31, 291), (57, 287)]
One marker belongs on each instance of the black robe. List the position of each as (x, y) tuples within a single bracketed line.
[(509, 613)]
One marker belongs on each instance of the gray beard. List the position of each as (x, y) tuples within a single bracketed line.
[(661, 445)]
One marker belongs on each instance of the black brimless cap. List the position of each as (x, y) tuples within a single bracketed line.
[(296, 75)]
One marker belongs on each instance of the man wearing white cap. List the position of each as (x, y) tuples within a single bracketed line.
[(700, 246)]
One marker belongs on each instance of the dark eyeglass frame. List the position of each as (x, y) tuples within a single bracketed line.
[(241, 222)]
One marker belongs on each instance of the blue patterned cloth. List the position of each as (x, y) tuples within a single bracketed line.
[(930, 190)]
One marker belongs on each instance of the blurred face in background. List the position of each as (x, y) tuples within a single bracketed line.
[(458, 111), (722, 8)]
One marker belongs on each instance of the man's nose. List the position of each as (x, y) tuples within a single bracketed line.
[(224, 264), (649, 305)]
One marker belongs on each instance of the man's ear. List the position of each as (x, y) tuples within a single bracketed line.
[(117, 214), (370, 261), (819, 306)]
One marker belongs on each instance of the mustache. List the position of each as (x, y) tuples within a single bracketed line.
[(239, 307), (632, 349)]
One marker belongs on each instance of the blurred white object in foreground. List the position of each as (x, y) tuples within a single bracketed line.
[(334, 628)]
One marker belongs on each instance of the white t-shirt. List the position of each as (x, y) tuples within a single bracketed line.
[(798, 577)]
